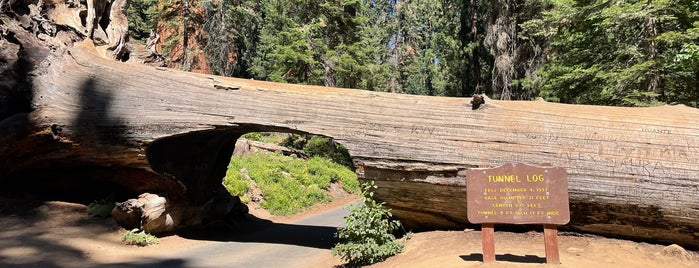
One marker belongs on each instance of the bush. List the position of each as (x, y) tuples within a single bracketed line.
[(235, 182), (253, 136), (141, 239), (321, 147), (367, 237), (101, 209)]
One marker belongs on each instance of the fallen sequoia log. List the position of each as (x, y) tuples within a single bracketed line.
[(76, 121)]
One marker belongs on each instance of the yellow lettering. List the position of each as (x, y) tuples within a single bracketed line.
[(486, 212), (535, 178), (507, 189), (501, 205), (512, 197), (503, 178)]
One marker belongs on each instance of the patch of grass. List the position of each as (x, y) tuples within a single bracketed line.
[(235, 182), (267, 137), (289, 184), (139, 238), (332, 171)]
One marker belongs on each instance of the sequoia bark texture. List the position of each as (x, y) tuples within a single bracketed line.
[(98, 123)]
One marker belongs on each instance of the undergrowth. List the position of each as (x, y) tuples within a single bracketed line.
[(289, 184), (319, 146), (267, 137), (101, 208), (139, 238)]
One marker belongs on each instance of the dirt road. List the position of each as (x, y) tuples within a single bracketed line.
[(297, 244)]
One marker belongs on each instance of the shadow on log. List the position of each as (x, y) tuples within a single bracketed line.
[(96, 123)]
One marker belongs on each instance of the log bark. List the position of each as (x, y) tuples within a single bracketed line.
[(97, 122)]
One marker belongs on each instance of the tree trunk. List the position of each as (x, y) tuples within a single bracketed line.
[(97, 123), (475, 55)]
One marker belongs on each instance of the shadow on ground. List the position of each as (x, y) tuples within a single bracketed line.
[(505, 257), (256, 230), (171, 263), (25, 240)]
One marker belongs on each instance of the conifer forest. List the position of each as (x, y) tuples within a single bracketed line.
[(605, 52)]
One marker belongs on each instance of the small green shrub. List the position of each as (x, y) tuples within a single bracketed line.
[(139, 238), (235, 182), (295, 141), (253, 136), (367, 237), (101, 209)]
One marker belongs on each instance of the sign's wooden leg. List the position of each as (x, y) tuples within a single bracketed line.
[(488, 232), (551, 244)]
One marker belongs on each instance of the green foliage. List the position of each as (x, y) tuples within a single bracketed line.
[(142, 16), (102, 208), (319, 146), (233, 29), (253, 136), (289, 184), (267, 137), (626, 53), (182, 20), (328, 170), (367, 237), (622, 52), (235, 182), (139, 238)]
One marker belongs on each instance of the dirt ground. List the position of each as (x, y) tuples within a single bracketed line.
[(59, 234)]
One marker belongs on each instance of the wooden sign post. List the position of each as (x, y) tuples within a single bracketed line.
[(517, 193)]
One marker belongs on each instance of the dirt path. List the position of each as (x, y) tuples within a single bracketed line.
[(59, 234), (276, 244), (463, 249)]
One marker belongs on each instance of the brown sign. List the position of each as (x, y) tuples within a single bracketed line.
[(517, 193)]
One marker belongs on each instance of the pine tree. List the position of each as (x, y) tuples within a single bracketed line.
[(142, 16), (179, 27), (286, 48), (620, 52), (232, 32)]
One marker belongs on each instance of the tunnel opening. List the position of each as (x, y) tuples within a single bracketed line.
[(201, 163), (286, 173)]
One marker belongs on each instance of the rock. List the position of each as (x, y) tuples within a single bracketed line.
[(242, 147), (128, 214), (156, 217), (676, 252), (254, 191), (156, 214)]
